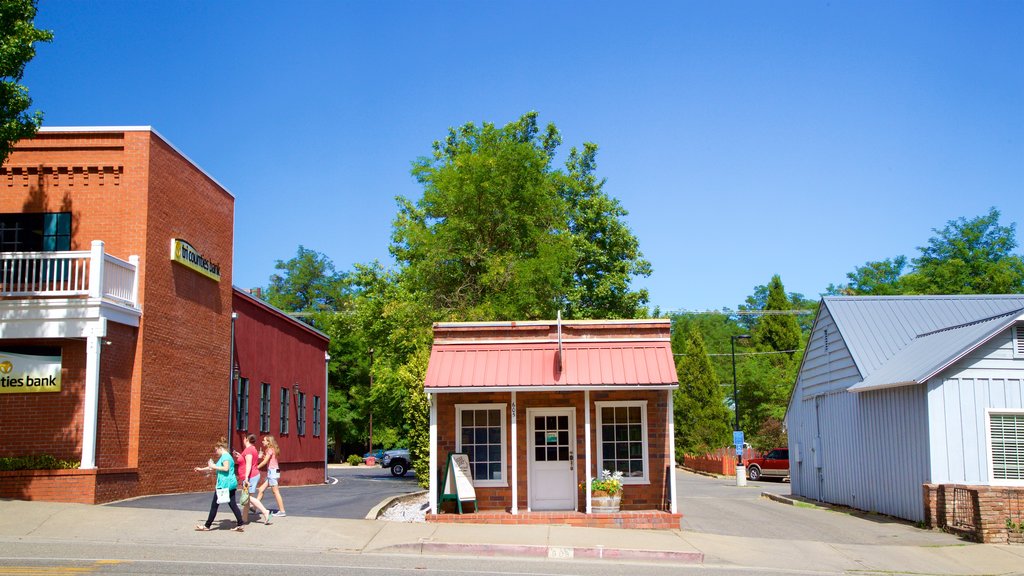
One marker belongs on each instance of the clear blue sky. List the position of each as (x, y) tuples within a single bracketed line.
[(745, 139)]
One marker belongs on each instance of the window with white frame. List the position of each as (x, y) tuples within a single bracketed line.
[(1006, 446), (480, 433), (622, 439)]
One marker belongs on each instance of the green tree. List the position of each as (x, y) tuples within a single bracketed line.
[(777, 332), (18, 36), (701, 416), (607, 253), (499, 234), (307, 283), (969, 257)]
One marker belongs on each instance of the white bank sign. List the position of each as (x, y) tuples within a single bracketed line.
[(21, 373)]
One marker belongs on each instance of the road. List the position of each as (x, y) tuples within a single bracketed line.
[(353, 491), (718, 506)]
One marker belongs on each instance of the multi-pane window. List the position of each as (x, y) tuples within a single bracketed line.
[(284, 411), (481, 435), (551, 439), (265, 407), (622, 437), (1006, 438), (316, 416), (35, 232), (242, 407), (300, 414)]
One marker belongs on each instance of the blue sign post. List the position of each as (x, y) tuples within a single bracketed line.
[(737, 440)]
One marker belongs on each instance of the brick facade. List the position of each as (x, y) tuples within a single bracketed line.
[(653, 495), (980, 513), (164, 386)]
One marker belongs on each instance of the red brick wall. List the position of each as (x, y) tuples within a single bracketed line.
[(117, 365), (79, 486), (650, 496), (982, 515), (272, 348), (47, 422), (186, 322)]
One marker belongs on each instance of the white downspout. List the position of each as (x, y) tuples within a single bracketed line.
[(586, 445), (323, 408), (674, 502), (433, 453), (515, 457)]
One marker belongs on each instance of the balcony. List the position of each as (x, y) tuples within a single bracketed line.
[(66, 294)]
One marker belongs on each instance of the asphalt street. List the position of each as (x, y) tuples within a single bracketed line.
[(718, 506), (350, 493)]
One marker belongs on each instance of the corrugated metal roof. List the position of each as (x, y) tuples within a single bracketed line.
[(877, 328), (932, 352), (585, 364)]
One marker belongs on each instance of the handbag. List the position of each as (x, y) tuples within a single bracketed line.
[(223, 496), (244, 498)]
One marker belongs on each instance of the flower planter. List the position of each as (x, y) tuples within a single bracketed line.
[(602, 502)]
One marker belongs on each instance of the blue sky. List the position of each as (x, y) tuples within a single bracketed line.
[(745, 139)]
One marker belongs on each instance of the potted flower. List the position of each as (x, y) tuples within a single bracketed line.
[(606, 492)]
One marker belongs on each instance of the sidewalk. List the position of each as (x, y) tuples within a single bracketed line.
[(44, 522)]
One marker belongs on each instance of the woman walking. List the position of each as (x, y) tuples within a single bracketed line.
[(269, 461), (249, 475), (225, 487)]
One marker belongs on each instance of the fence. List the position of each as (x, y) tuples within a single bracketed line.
[(721, 461), (84, 273)]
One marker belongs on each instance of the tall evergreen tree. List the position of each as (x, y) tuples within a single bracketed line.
[(777, 332), (701, 417)]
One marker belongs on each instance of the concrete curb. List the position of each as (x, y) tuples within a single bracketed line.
[(375, 512), (552, 552), (778, 498)]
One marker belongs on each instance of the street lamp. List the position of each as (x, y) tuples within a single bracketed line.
[(741, 471)]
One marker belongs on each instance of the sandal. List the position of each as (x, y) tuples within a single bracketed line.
[(238, 529), (202, 528)]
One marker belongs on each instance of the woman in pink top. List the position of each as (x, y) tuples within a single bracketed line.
[(249, 477), (270, 454)]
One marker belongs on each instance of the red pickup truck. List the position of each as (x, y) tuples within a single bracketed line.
[(774, 464)]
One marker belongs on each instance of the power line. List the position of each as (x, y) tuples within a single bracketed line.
[(743, 312), (753, 353)]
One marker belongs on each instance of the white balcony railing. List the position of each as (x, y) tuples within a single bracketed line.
[(86, 273)]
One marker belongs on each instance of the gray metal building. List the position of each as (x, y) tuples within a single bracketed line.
[(898, 391)]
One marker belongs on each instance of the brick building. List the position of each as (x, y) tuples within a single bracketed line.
[(115, 293), (540, 408)]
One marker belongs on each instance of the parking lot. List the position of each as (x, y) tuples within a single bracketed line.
[(350, 493)]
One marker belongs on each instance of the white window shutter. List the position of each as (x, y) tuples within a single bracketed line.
[(1018, 341), (1007, 446)]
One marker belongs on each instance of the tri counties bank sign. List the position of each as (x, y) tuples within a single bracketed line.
[(183, 253), (28, 372)]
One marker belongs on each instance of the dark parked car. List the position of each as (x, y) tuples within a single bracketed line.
[(774, 464), (398, 460)]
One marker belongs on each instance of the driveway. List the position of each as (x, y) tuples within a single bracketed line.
[(353, 491), (718, 506)]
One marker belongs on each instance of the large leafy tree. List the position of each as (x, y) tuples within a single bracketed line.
[(701, 416), (967, 256), (500, 233), (307, 283), (18, 36)]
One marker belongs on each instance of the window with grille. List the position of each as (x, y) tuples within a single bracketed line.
[(265, 407), (316, 416), (622, 439), (242, 412), (35, 232), (285, 402), (481, 435), (1018, 341), (1006, 441), (300, 414)]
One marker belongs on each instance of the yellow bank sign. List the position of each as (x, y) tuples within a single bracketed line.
[(183, 253), (21, 373)]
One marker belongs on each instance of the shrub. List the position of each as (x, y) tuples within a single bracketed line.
[(36, 462), (354, 460)]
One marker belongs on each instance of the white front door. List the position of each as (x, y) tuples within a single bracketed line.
[(552, 458)]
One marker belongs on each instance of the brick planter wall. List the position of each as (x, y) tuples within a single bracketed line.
[(976, 512), (78, 486)]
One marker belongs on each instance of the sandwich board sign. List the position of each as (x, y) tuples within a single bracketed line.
[(458, 481)]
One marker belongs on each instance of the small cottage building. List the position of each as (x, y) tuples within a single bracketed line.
[(911, 406), (542, 407)]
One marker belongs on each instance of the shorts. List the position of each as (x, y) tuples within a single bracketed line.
[(254, 482), (272, 475)]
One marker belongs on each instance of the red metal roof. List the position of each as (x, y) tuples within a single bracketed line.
[(624, 363)]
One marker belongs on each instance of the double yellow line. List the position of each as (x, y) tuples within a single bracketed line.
[(54, 570)]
